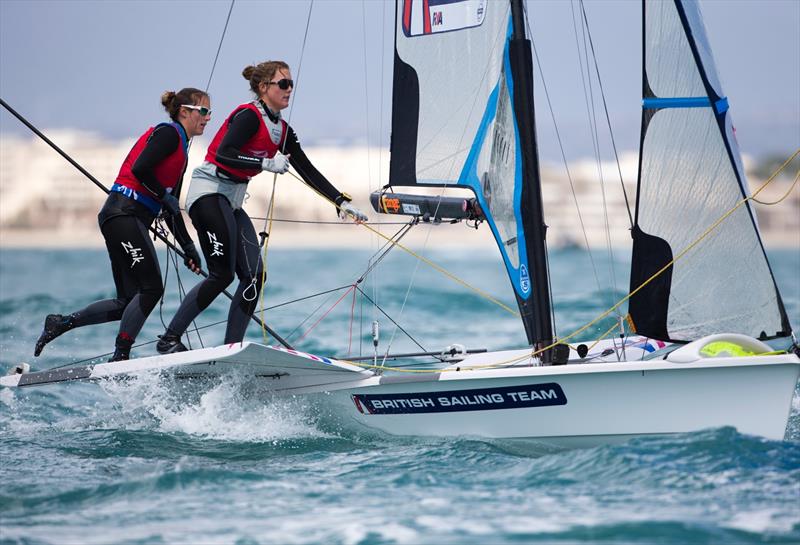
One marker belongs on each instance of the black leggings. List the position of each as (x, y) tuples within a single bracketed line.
[(137, 277), (230, 246)]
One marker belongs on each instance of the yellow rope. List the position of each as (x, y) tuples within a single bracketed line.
[(676, 258), (425, 260), (774, 174), (788, 192), (264, 259), (603, 336), (580, 330)]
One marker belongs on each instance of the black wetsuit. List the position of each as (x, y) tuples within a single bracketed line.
[(227, 236), (124, 223)]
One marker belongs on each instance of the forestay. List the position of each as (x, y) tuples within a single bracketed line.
[(690, 175)]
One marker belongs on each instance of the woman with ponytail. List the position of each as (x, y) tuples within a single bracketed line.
[(148, 184), (253, 138)]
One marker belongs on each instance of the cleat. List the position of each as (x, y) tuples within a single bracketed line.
[(169, 344), (54, 326)]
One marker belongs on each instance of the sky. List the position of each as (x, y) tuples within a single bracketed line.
[(101, 66)]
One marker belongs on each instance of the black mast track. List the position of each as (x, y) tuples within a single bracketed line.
[(536, 309), (155, 232)]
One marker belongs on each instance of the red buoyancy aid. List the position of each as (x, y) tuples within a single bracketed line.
[(168, 172), (259, 145)]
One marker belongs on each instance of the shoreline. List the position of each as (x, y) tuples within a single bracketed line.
[(326, 236)]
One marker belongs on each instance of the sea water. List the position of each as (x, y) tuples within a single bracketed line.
[(150, 461)]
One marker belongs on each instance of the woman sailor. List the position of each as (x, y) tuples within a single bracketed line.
[(148, 183), (253, 138)]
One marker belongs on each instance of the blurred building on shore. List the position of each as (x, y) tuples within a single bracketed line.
[(45, 201)]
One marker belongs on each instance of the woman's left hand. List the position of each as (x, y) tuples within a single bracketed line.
[(347, 209), (191, 258)]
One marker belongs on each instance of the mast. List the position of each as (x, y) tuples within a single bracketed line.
[(535, 310)]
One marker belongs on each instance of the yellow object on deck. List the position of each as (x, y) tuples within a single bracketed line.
[(724, 349)]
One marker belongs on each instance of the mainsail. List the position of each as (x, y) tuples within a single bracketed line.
[(462, 117), (690, 175)]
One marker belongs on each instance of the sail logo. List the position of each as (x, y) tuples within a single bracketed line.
[(390, 205), (421, 19), (486, 399), (216, 246), (135, 253), (524, 279)]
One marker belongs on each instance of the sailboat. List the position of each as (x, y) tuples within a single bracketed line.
[(462, 117)]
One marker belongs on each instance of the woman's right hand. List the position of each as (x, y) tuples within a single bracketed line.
[(170, 205), (278, 164)]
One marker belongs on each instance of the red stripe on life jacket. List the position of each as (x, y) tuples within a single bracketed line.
[(259, 145), (168, 172)]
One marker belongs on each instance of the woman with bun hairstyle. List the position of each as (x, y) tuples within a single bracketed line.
[(253, 138), (148, 183)]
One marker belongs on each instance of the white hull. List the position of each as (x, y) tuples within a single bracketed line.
[(576, 404), (604, 402)]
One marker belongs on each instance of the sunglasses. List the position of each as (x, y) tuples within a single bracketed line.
[(202, 109), (283, 83)]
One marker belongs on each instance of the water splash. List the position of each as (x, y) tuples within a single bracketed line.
[(229, 409)]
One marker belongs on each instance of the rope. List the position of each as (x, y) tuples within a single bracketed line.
[(591, 115), (339, 300), (219, 48), (398, 326), (605, 108), (337, 222), (271, 208), (564, 158), (603, 336), (268, 231), (677, 257), (425, 260), (352, 316), (788, 192), (580, 330)]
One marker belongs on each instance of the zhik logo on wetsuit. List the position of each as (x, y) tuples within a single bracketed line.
[(135, 253), (217, 245)]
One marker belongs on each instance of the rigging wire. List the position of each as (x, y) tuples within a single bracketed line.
[(219, 47), (313, 312), (375, 305), (369, 157), (338, 222), (170, 254), (566, 166), (450, 170), (608, 117), (528, 356), (382, 49), (425, 260), (372, 262), (267, 229), (592, 119)]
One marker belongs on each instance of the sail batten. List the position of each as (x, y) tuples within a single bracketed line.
[(462, 117), (690, 176)]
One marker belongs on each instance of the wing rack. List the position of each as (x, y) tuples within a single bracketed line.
[(428, 207)]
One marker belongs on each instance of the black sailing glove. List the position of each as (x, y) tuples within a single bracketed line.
[(192, 258), (170, 205)]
